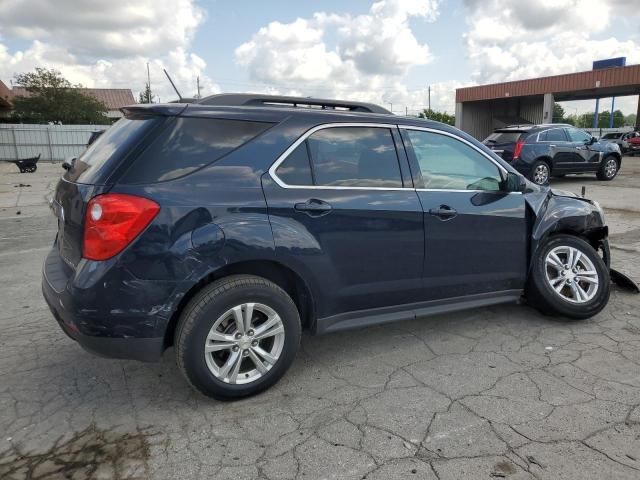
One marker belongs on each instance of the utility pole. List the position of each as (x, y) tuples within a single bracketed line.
[(391, 107), (149, 84), (406, 111), (429, 98), (198, 85)]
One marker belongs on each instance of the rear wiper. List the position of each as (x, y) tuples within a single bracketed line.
[(68, 163)]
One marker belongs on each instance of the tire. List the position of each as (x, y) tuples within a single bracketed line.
[(213, 305), (545, 298), (540, 170), (608, 168)]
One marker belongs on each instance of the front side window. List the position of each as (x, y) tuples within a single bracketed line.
[(449, 164), (553, 135), (578, 135)]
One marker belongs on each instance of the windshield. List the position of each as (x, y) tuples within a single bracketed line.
[(611, 136)]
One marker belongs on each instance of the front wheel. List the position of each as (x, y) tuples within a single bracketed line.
[(608, 169), (568, 278), (237, 337)]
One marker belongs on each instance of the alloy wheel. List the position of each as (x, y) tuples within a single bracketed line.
[(610, 168), (244, 343), (541, 174), (571, 274)]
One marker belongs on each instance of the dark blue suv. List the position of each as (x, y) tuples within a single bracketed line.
[(553, 150), (225, 227)]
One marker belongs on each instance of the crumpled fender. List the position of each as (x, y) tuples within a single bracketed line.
[(562, 212)]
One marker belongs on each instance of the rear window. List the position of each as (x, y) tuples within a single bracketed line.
[(611, 136), (96, 163), (188, 144), (503, 137)]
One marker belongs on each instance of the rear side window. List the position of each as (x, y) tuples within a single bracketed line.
[(189, 144), (97, 162), (553, 135), (354, 157), (296, 170), (503, 137), (344, 157)]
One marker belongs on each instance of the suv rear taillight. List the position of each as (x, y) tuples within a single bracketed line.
[(112, 221), (518, 149)]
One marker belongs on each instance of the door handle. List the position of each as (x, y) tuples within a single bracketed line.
[(313, 207), (445, 212)]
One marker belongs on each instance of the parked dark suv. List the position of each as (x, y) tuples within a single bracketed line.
[(542, 151), (225, 228)]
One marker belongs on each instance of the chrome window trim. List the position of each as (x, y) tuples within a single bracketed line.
[(452, 190), (311, 131)]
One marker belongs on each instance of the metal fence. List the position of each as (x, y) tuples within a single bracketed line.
[(51, 142)]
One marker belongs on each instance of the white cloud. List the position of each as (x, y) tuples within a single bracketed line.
[(363, 57), (512, 39), (113, 28), (106, 44)]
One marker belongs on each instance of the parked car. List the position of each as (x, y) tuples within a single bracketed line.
[(634, 143), (542, 151), (619, 138), (227, 227)]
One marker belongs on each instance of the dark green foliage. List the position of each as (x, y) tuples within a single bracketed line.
[(52, 98), (442, 117)]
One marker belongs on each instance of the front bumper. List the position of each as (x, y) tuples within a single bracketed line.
[(97, 329)]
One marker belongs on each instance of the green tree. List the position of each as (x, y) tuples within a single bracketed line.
[(52, 98), (558, 114), (630, 120), (146, 96), (442, 117)]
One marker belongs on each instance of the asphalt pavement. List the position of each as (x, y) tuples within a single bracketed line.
[(500, 392)]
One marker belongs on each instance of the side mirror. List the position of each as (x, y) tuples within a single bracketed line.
[(592, 141), (515, 183)]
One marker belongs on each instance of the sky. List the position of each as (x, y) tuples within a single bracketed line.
[(385, 51)]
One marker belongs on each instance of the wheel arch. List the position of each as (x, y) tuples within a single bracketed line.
[(283, 276), (546, 159)]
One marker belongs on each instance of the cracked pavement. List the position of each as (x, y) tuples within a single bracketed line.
[(499, 392)]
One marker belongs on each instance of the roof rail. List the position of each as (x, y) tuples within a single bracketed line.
[(255, 100)]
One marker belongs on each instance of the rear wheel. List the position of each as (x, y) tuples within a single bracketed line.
[(237, 337), (540, 173), (568, 278), (608, 168)]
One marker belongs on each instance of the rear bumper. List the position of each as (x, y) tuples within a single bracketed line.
[(113, 336), (143, 349)]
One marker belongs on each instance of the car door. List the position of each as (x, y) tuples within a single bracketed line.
[(558, 148), (475, 233), (343, 215), (587, 154)]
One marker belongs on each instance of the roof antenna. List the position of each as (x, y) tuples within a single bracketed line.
[(173, 85)]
